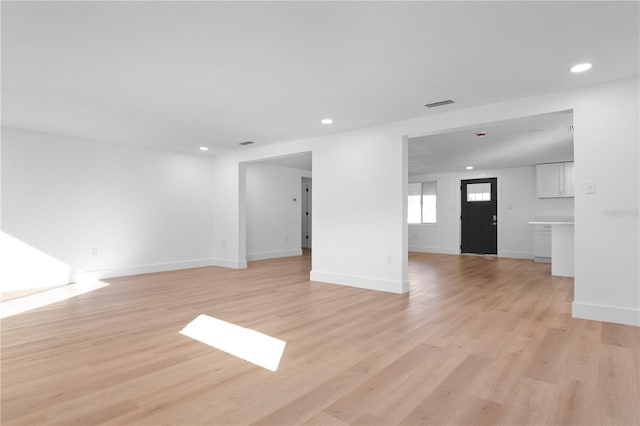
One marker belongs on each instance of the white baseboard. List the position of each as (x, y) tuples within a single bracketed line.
[(158, 267), (614, 314), (230, 263), (441, 250), (515, 255), (398, 287), (274, 254), (437, 250)]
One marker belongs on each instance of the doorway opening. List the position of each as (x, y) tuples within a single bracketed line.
[(273, 203), (514, 152)]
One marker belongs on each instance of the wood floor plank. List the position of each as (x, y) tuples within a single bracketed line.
[(477, 411), (618, 396), (416, 387), (443, 403), (374, 390), (324, 419), (368, 419), (497, 382), (95, 415), (574, 407), (550, 360), (582, 351), (478, 340), (532, 402)]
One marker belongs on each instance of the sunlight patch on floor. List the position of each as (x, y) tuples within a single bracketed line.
[(85, 284), (250, 345)]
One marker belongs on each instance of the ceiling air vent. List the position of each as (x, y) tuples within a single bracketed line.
[(245, 143), (440, 103)]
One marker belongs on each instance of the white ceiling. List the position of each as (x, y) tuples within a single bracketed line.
[(544, 138), (178, 75)]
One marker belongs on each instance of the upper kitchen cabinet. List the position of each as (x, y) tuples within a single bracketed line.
[(568, 180), (555, 180)]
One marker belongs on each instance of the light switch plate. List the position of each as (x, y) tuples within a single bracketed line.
[(589, 187)]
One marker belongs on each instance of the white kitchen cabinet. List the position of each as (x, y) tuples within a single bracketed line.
[(569, 190), (542, 243), (550, 180), (562, 250), (555, 180)]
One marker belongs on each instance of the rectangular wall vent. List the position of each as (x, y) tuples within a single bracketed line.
[(440, 103)]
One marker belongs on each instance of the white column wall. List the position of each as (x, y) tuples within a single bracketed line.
[(229, 223), (607, 231), (359, 212)]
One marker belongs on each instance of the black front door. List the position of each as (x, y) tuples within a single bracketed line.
[(479, 219)]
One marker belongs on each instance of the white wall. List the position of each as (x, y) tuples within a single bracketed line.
[(273, 218), (144, 210), (517, 204)]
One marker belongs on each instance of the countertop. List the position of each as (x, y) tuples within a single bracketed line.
[(552, 220)]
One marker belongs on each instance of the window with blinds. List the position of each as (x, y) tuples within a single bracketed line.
[(422, 202)]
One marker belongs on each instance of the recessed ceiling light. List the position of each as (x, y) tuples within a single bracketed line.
[(580, 67), (469, 167), (326, 121), (481, 134), (204, 148)]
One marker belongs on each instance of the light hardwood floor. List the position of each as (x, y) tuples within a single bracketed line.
[(477, 341), (10, 295)]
